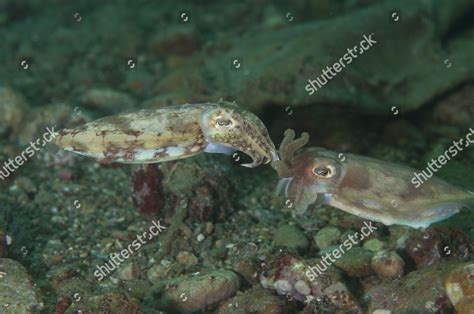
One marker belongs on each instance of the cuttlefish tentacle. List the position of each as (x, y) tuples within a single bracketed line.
[(366, 187), (293, 145), (150, 136), (287, 150)]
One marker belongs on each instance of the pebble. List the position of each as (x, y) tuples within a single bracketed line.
[(199, 290), (113, 302), (128, 272), (373, 245), (255, 300), (186, 258), (290, 237), (25, 184), (209, 228), (356, 262), (327, 236), (387, 264), (459, 287), (200, 237), (157, 272)]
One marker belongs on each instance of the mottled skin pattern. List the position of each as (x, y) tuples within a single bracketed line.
[(365, 187), (150, 136)]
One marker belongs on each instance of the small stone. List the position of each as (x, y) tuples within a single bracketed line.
[(157, 272), (356, 262), (200, 237), (247, 269), (387, 264), (128, 272), (459, 286), (209, 228), (26, 185), (302, 287), (255, 300), (327, 236), (199, 290), (114, 302), (373, 245), (186, 258), (290, 237), (282, 286)]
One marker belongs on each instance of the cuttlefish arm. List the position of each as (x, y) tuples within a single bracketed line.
[(366, 187), (150, 136)]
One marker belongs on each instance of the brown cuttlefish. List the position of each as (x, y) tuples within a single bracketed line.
[(150, 136), (366, 187)]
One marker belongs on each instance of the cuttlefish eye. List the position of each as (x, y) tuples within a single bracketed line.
[(223, 122), (324, 172)]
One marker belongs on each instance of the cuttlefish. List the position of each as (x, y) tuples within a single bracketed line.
[(366, 187), (151, 136)]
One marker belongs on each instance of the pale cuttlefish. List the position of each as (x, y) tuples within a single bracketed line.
[(369, 188), (151, 136)]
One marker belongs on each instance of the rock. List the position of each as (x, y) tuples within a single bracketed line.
[(427, 247), (192, 293), (129, 271), (290, 237), (256, 300), (17, 292), (177, 41), (373, 245), (460, 288), (137, 288), (327, 236), (114, 302), (25, 184), (255, 84), (356, 262), (420, 291), (13, 108), (186, 258), (209, 228), (248, 269), (158, 272), (456, 108), (387, 264), (107, 100)]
